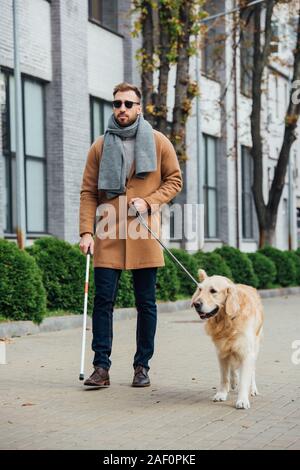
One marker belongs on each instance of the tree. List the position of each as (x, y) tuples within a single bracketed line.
[(255, 41), (267, 211), (177, 23)]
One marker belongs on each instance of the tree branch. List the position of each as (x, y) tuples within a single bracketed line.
[(291, 120)]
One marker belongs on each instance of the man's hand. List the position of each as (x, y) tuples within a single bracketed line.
[(139, 204), (86, 242)]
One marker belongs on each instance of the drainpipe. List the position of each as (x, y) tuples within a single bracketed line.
[(236, 140), (291, 205), (199, 153), (20, 190)]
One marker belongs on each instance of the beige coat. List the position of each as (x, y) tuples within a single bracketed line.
[(125, 250)]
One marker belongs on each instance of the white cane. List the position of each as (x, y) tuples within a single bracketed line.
[(86, 290)]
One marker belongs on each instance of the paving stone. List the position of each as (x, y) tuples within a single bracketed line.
[(44, 406)]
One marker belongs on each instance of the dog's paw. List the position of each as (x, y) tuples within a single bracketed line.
[(254, 392), (220, 396), (234, 386), (242, 404)]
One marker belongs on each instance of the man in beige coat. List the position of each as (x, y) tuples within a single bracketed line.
[(131, 167)]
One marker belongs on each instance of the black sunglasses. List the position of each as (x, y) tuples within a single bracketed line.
[(128, 104)]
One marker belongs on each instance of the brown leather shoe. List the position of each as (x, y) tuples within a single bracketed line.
[(99, 378), (141, 377)]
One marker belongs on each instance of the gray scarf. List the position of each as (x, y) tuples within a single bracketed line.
[(112, 172)]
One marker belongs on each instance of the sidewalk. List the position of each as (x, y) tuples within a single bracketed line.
[(44, 406)]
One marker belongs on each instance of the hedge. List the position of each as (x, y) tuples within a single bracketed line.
[(167, 283), (297, 252), (187, 286), (63, 269), (212, 263), (125, 297), (22, 294), (240, 265), (296, 262), (285, 268), (51, 273), (264, 269)]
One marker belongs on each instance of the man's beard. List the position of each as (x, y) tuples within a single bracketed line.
[(129, 123)]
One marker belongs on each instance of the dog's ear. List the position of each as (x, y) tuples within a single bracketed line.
[(201, 275), (232, 304)]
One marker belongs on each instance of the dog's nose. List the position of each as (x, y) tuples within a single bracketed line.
[(198, 305)]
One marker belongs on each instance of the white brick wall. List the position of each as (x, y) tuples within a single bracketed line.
[(78, 58), (72, 85), (35, 37), (105, 61)]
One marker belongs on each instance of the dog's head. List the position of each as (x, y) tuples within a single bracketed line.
[(212, 295)]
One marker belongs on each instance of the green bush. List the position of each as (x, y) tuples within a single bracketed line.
[(212, 263), (297, 252), (63, 269), (167, 283), (296, 262), (22, 295), (240, 265), (286, 271), (125, 297), (264, 269), (187, 286)]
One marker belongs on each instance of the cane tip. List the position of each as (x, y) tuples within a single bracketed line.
[(81, 377)]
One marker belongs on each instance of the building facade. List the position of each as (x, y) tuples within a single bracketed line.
[(72, 53)]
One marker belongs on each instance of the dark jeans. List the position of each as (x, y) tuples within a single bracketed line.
[(106, 286)]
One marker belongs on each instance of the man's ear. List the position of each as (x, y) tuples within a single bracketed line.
[(202, 275), (232, 304)]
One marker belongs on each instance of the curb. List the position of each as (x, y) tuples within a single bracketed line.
[(279, 292), (23, 328)]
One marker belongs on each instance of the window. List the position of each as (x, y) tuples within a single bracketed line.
[(286, 97), (210, 187), (247, 198), (276, 96), (172, 226), (212, 52), (246, 52), (105, 13), (176, 221), (34, 154), (274, 43), (298, 227), (100, 113)]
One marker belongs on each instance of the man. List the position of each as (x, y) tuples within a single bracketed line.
[(131, 164)]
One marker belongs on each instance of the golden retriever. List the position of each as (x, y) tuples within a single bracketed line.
[(233, 316)]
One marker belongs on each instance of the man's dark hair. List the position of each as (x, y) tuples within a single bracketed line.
[(127, 86)]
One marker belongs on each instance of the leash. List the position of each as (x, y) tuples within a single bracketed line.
[(142, 220)]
